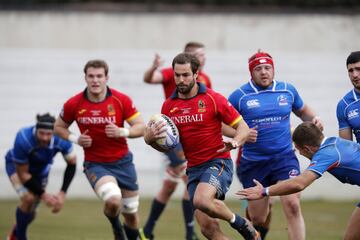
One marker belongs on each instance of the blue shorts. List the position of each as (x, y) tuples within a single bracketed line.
[(268, 172), (216, 172), (122, 170), (173, 157)]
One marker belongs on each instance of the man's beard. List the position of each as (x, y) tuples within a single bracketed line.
[(185, 89)]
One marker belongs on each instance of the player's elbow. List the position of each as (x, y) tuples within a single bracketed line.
[(298, 187)]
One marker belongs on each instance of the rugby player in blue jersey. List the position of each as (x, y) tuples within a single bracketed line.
[(266, 106), (348, 108), (338, 156), (28, 164)]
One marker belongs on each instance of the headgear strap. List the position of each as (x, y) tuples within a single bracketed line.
[(45, 121)]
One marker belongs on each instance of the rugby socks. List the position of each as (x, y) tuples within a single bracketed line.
[(188, 218), (23, 220), (132, 234), (262, 230), (156, 209), (243, 227), (117, 228)]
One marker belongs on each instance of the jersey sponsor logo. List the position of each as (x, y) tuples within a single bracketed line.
[(253, 103), (185, 110), (188, 118), (293, 173), (95, 112), (282, 100), (82, 111), (353, 114), (201, 106), (268, 120), (96, 120)]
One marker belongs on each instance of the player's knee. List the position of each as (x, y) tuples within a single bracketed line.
[(259, 220), (210, 228), (108, 191), (202, 204), (292, 208), (130, 205), (28, 201)]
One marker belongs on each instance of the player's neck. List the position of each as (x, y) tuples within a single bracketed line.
[(194, 90), (96, 97)]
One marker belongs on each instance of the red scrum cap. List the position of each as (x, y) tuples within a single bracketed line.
[(260, 58)]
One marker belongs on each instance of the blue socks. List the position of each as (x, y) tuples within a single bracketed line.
[(22, 222), (117, 228), (188, 218), (156, 209)]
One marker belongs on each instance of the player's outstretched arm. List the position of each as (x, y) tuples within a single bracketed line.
[(307, 114), (153, 75), (286, 187)]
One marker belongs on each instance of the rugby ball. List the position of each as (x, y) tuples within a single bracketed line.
[(171, 138)]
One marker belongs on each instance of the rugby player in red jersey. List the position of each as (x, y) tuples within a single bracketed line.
[(198, 113), (175, 158), (100, 113)]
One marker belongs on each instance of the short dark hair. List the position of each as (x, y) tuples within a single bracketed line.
[(307, 133), (190, 46), (354, 57), (45, 121), (184, 58), (97, 63)]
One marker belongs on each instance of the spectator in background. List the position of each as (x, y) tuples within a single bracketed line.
[(28, 165)]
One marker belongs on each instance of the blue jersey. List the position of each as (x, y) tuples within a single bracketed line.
[(340, 157), (348, 113), (269, 110), (27, 151)]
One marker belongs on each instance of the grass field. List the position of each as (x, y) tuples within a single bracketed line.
[(82, 219)]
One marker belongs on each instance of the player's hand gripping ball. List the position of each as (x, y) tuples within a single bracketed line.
[(171, 138)]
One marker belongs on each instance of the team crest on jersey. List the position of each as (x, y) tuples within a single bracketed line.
[(293, 173), (82, 111), (253, 103), (111, 110), (201, 106), (282, 100), (353, 114)]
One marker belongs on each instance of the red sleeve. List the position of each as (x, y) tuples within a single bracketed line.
[(67, 113), (226, 111), (168, 74)]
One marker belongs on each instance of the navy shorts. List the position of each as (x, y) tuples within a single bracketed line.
[(268, 172), (122, 170), (173, 157), (216, 172)]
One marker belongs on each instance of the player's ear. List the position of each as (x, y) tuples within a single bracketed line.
[(196, 74)]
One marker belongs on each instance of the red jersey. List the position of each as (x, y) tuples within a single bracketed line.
[(117, 107), (199, 123), (169, 81)]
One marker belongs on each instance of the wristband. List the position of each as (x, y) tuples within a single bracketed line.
[(73, 138), (124, 132), (265, 192)]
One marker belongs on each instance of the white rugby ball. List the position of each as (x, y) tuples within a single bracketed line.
[(171, 138)]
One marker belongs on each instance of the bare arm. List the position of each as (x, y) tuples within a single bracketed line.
[(346, 133), (61, 128), (241, 136), (307, 114), (137, 127), (286, 187), (153, 75)]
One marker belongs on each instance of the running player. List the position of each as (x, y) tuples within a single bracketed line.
[(348, 108), (28, 165), (266, 106), (198, 113), (100, 113), (176, 160), (340, 157)]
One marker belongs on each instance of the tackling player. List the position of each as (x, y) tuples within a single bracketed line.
[(340, 157), (28, 165), (100, 113), (198, 113)]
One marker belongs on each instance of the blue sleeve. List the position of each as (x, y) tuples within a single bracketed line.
[(234, 99), (298, 102), (65, 146), (340, 114), (324, 160), (21, 149)]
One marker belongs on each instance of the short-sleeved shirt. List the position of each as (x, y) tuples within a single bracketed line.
[(27, 151), (198, 120), (169, 81), (116, 108), (340, 157), (269, 111), (348, 113)]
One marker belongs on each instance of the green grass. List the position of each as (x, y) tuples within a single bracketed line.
[(82, 219)]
